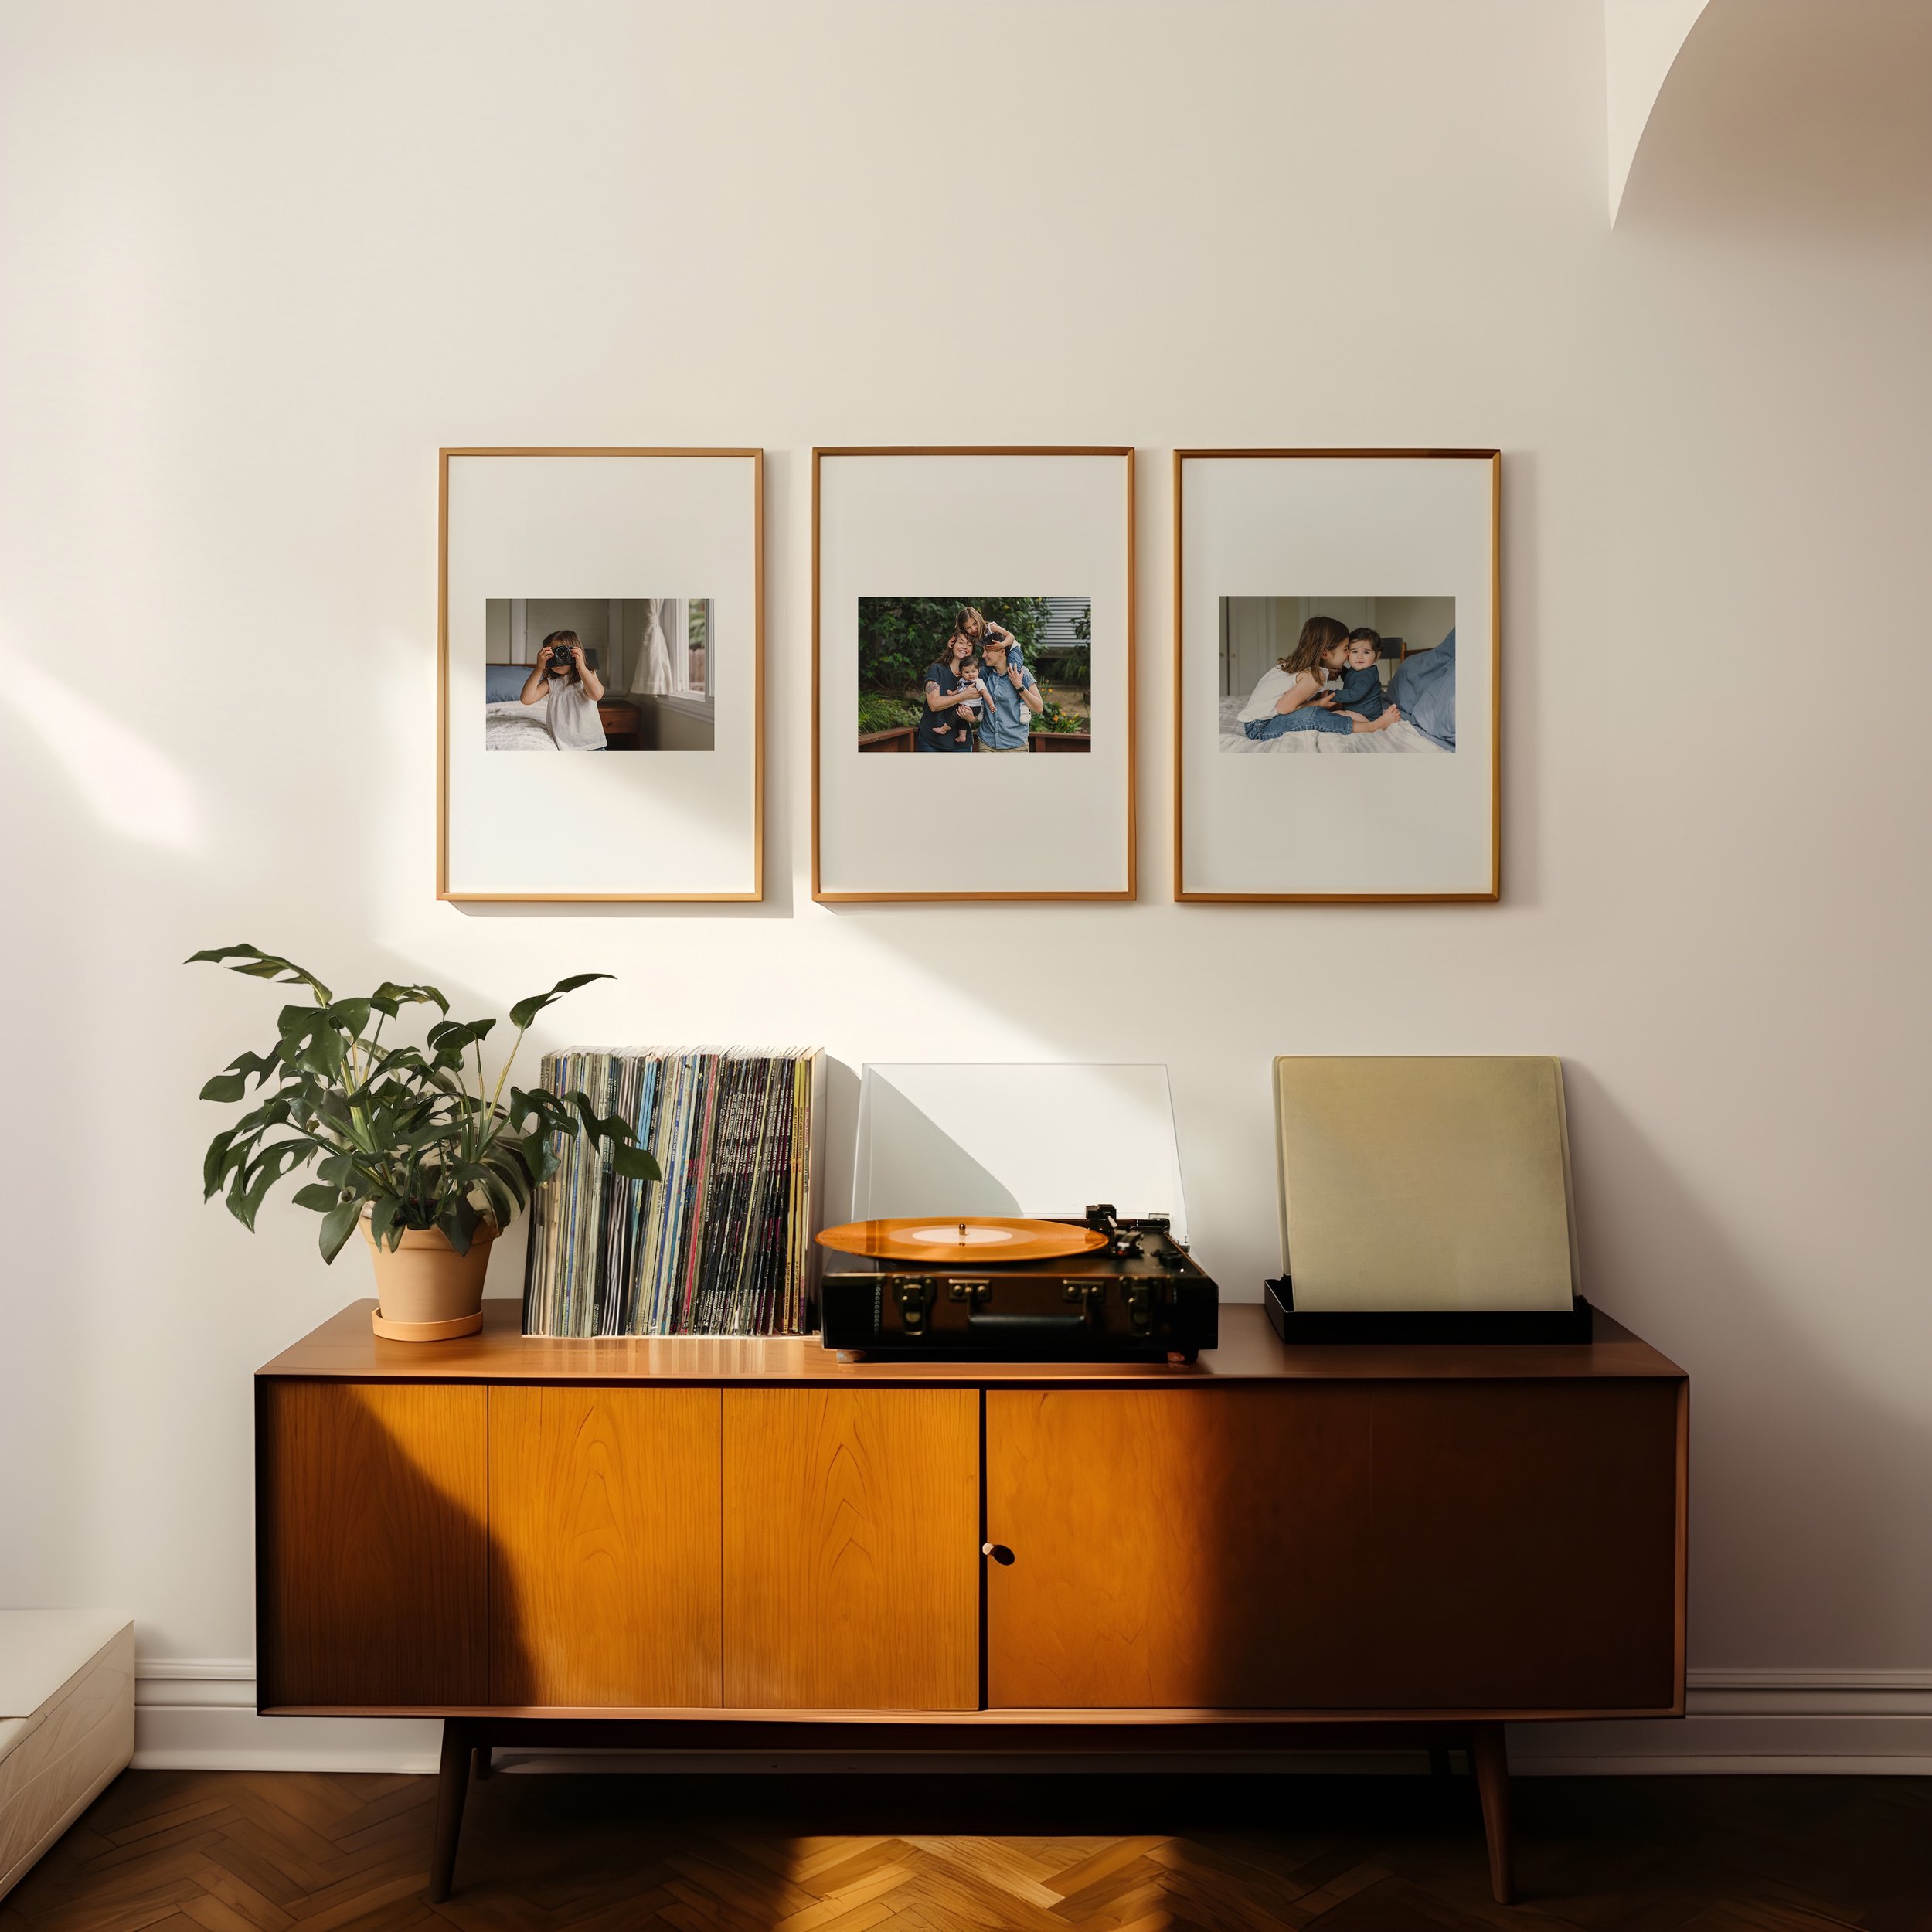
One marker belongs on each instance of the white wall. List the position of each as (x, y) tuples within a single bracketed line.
[(252, 271)]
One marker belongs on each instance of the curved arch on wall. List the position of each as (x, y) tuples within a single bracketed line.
[(1642, 39), (1771, 114)]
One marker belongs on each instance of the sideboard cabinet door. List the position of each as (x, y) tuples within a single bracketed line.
[(851, 1549), (1193, 1548), (1527, 1544), (604, 1547), (371, 1564), (1420, 1546)]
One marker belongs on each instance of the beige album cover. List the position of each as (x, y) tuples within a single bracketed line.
[(1424, 1183)]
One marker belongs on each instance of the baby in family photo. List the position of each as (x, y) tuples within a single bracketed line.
[(971, 673), (1360, 693), (940, 674)]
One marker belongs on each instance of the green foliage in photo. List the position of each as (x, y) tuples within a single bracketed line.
[(878, 712), (899, 637)]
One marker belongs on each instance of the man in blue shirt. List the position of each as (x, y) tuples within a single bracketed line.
[(1013, 698)]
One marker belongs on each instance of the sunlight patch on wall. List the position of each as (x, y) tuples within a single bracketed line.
[(129, 786)]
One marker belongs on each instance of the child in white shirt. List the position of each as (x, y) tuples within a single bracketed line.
[(574, 689)]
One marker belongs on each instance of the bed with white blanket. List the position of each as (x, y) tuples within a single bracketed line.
[(1401, 735), (513, 726)]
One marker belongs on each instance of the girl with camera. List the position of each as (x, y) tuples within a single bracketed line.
[(573, 689)]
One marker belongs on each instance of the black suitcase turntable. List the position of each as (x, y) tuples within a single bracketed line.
[(1102, 1290)]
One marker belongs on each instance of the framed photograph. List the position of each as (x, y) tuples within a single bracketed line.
[(601, 683), (975, 604), (1338, 657)]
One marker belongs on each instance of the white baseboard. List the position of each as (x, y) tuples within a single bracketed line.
[(1747, 1722), (199, 1714)]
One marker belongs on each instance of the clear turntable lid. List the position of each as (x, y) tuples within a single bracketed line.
[(1016, 1138)]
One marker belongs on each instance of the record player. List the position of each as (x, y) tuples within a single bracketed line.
[(985, 1288), (968, 1241)]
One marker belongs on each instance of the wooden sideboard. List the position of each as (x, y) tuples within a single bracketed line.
[(721, 1541)]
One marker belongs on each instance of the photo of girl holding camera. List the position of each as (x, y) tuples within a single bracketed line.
[(573, 689)]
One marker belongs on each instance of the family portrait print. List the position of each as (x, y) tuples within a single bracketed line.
[(1338, 674), (598, 674), (975, 674)]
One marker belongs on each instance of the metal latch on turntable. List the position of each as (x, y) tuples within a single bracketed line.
[(915, 1300), (1089, 1294)]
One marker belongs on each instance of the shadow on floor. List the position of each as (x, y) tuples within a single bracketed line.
[(1128, 1852)]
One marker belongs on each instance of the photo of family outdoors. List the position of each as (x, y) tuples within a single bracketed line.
[(598, 674), (1338, 674), (975, 674)]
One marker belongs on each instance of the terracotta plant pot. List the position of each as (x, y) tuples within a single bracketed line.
[(425, 1291)]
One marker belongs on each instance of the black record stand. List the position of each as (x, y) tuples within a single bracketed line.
[(1482, 1326)]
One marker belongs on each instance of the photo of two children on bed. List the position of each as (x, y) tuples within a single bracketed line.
[(1338, 674)]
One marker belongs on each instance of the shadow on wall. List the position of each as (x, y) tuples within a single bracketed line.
[(1830, 1471), (1784, 116)]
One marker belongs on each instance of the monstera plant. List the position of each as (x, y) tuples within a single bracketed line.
[(411, 1142)]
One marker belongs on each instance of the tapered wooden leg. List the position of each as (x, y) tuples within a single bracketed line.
[(452, 1786), (1490, 1755)]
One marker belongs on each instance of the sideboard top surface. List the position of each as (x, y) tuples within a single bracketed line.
[(346, 1346)]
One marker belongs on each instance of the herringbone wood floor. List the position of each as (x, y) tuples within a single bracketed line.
[(243, 1852)]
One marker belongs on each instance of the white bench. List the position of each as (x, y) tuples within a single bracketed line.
[(67, 1724)]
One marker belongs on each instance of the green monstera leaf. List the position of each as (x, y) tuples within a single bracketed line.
[(398, 1129)]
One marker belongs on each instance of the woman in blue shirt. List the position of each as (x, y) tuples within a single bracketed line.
[(940, 728)]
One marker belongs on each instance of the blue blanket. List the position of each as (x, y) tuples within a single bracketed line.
[(1424, 688)]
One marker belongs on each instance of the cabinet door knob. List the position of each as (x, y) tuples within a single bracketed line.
[(998, 1552)]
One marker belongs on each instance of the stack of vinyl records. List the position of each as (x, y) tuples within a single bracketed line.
[(722, 1243)]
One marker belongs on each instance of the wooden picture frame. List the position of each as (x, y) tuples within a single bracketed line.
[(1062, 494), (601, 554), (1240, 526)]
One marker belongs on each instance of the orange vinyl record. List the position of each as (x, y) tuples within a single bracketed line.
[(969, 1240)]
